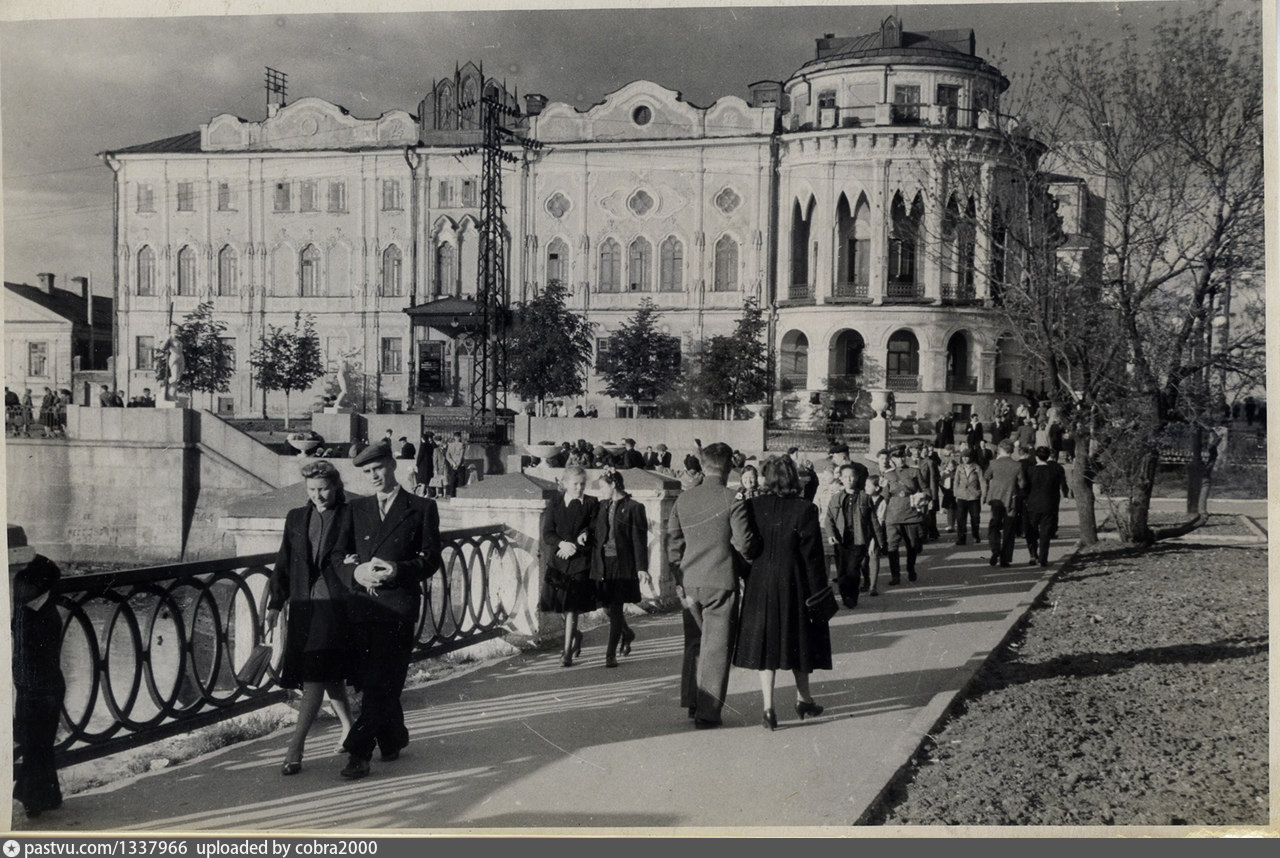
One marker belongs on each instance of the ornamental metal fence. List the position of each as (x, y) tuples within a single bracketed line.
[(154, 652)]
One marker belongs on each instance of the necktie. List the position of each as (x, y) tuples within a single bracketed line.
[(384, 501)]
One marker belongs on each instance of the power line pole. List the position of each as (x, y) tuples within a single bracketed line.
[(493, 300)]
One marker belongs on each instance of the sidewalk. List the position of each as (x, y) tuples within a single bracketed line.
[(525, 743)]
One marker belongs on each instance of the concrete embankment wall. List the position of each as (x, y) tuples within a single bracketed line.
[(678, 435)]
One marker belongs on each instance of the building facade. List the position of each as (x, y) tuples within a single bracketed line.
[(57, 338), (822, 196)]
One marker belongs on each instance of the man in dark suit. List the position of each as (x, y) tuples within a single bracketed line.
[(1003, 484), (708, 540), (852, 528), (396, 546), (1046, 487), (944, 430), (630, 457), (424, 464)]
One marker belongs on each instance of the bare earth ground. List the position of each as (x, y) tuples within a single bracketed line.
[(1136, 694)]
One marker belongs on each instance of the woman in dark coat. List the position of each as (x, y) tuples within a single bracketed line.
[(775, 632), (566, 544), (317, 653), (619, 558)]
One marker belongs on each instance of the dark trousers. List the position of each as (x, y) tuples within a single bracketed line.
[(382, 662), (967, 512), (35, 720), (1040, 530), (617, 625), (689, 668), (850, 560), (1002, 532), (714, 618)]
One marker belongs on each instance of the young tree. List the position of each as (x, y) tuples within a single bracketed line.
[(208, 360), (288, 359), (550, 348), (642, 363), (735, 369)]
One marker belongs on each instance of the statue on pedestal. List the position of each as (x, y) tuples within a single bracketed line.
[(172, 367)]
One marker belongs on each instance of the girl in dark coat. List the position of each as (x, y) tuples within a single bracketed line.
[(317, 653), (619, 558), (775, 632), (566, 544)]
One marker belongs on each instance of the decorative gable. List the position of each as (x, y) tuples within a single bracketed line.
[(309, 123)]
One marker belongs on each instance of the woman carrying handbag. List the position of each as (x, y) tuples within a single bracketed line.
[(316, 656), (777, 631)]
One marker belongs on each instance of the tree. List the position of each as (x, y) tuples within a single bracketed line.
[(288, 359), (735, 369), (1115, 312), (642, 363), (550, 348), (208, 358)]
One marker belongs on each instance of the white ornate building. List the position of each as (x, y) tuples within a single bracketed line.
[(821, 196)]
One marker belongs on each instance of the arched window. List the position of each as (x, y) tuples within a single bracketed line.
[(853, 248), (846, 354), (610, 266), (671, 265), (999, 238), (794, 359), (902, 362), (958, 377), (146, 271), (470, 93), (227, 271), (640, 266), (726, 262), (391, 260), (904, 246), (557, 262), (309, 271), (950, 249), (446, 269), (186, 271), (800, 223), (446, 117)]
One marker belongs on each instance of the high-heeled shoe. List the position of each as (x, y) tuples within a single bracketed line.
[(567, 659), (770, 720), (627, 637), (807, 707), (576, 647), (291, 767)]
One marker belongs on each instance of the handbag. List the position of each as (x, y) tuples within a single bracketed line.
[(255, 666), (822, 605)]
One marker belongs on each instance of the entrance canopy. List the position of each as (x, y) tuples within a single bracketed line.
[(450, 316)]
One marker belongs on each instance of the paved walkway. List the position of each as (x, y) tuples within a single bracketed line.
[(524, 743)]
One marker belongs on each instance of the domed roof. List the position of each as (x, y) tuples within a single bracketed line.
[(952, 47)]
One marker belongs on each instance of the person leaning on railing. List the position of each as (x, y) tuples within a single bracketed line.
[(317, 655)]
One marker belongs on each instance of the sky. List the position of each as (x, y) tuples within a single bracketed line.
[(73, 87)]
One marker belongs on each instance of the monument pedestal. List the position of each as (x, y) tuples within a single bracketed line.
[(879, 434), (336, 425)]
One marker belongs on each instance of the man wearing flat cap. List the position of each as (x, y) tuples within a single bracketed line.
[(904, 517), (37, 674), (395, 538)]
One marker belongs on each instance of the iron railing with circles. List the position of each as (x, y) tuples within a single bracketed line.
[(154, 652)]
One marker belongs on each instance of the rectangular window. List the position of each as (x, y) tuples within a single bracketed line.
[(229, 344), (186, 197), (468, 192), (38, 359), (307, 197), (283, 203), (555, 268), (146, 198), (391, 357), (224, 196), (145, 353), (827, 100), (906, 104), (390, 195), (604, 355), (444, 194), (337, 196), (949, 101)]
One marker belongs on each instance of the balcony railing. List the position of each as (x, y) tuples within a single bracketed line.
[(962, 384), (151, 653), (952, 292), (800, 292), (900, 291), (902, 382), (849, 290)]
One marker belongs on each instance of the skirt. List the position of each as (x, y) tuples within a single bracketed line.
[(563, 593), (617, 590)]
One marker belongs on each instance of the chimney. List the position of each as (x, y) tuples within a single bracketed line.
[(534, 103), (46, 282), (83, 283)]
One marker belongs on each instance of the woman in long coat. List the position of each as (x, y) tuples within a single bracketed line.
[(619, 558), (317, 655), (775, 631), (566, 544)]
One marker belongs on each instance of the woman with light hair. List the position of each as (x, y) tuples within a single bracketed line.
[(567, 545), (317, 655)]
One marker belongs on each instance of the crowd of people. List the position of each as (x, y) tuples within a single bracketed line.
[(22, 416)]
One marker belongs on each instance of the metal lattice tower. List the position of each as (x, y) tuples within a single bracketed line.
[(493, 299)]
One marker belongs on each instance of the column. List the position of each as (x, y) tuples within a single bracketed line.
[(879, 218), (931, 239)]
